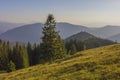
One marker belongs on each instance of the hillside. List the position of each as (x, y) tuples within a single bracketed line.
[(95, 64), (90, 40), (81, 36)]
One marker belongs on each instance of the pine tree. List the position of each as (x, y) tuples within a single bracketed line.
[(52, 46), (79, 45), (4, 60), (10, 56), (36, 54), (11, 67), (73, 49), (84, 46), (30, 53), (20, 56), (24, 56)]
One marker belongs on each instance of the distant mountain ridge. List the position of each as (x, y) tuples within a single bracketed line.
[(26, 33), (5, 26), (90, 40), (67, 29), (33, 32), (80, 36), (115, 38), (106, 31)]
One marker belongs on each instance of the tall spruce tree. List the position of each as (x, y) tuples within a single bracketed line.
[(30, 53), (52, 46), (4, 60)]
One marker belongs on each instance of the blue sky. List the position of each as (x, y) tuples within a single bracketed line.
[(93, 13)]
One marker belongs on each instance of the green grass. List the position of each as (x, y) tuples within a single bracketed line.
[(95, 64)]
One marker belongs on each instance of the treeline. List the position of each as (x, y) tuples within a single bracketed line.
[(20, 56), (12, 58), (75, 45)]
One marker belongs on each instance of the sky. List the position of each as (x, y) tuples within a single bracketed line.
[(91, 13)]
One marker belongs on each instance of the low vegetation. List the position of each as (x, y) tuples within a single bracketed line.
[(95, 64)]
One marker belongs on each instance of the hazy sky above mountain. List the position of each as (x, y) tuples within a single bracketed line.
[(92, 13)]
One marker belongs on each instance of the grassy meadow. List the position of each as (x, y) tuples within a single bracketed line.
[(95, 64)]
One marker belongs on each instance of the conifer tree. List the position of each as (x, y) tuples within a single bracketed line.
[(30, 53), (52, 46), (36, 54), (4, 60), (11, 66), (20, 56), (73, 49)]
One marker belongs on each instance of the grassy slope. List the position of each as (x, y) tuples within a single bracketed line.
[(94, 64)]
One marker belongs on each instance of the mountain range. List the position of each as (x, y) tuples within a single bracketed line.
[(33, 32), (90, 40), (5, 26), (115, 38), (106, 31)]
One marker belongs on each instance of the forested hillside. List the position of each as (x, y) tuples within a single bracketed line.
[(95, 64)]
